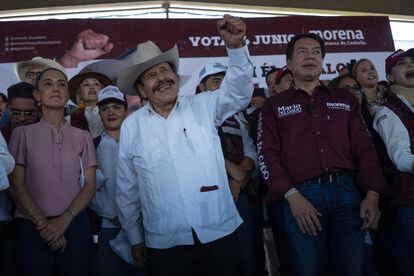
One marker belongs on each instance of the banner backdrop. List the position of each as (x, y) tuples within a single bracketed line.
[(198, 41)]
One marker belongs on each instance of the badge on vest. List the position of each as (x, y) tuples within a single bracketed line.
[(287, 110), (341, 106)]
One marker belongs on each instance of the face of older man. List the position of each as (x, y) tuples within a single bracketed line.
[(32, 74), (160, 85)]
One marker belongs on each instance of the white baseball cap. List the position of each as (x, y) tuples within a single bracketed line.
[(211, 69), (111, 94)]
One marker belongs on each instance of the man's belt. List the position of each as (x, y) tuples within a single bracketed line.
[(331, 177)]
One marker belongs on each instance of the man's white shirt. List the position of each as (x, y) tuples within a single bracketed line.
[(164, 163)]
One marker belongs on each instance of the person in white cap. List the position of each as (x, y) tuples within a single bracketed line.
[(394, 121), (172, 189), (112, 109), (29, 70)]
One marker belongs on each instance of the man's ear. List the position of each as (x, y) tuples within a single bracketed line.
[(141, 91), (288, 61), (202, 86), (36, 95)]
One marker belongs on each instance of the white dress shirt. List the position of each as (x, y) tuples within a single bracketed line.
[(103, 203), (164, 163), (395, 136), (6, 167)]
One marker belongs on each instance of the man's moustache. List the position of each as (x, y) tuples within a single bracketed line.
[(161, 83)]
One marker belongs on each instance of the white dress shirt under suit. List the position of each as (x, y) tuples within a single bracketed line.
[(164, 163)]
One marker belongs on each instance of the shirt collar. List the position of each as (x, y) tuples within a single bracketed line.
[(295, 90), (43, 123), (107, 137), (151, 110)]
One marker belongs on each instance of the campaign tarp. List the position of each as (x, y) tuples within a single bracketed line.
[(199, 42)]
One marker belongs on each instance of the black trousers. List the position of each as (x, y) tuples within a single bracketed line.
[(35, 258), (220, 257)]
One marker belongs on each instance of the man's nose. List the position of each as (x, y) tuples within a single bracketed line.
[(22, 117)]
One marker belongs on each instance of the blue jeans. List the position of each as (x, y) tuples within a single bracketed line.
[(339, 248), (403, 240)]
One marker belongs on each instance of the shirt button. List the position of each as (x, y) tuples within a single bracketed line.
[(312, 100), (315, 115), (318, 133), (321, 150)]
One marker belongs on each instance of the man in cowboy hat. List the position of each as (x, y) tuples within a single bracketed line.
[(172, 189), (29, 70)]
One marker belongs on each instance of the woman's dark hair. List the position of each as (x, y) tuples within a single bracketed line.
[(46, 70), (291, 45), (334, 83)]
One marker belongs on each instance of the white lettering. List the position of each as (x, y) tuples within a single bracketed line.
[(339, 34), (205, 41), (359, 34), (342, 35), (194, 40), (288, 110), (342, 106), (216, 40)]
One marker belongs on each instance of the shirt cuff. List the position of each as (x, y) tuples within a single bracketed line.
[(374, 182), (135, 235), (406, 165), (239, 56), (281, 186)]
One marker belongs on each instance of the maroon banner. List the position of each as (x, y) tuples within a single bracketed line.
[(194, 37)]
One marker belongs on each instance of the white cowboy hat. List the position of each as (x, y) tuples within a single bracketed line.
[(20, 68), (109, 67), (145, 56)]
